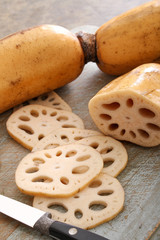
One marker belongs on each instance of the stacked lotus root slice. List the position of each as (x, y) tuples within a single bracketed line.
[(71, 170)]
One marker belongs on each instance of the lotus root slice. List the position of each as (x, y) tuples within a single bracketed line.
[(113, 153), (63, 136), (58, 172), (31, 123), (101, 201)]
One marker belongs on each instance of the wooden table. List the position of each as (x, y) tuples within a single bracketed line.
[(140, 217)]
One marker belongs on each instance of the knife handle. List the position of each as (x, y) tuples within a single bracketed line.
[(63, 231)]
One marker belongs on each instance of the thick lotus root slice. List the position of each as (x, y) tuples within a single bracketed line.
[(33, 122), (63, 136), (128, 108), (113, 153), (99, 202), (51, 99), (58, 172)]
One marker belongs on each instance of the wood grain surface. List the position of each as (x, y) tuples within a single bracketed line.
[(140, 218)]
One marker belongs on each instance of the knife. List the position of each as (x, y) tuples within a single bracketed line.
[(42, 221)]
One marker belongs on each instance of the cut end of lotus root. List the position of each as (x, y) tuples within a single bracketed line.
[(128, 108), (101, 201)]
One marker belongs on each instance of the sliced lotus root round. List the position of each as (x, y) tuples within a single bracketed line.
[(33, 122), (128, 108), (58, 172), (63, 136), (51, 99), (99, 202), (113, 153)]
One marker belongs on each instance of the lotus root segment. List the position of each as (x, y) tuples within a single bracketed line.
[(37, 60), (101, 201), (31, 123), (129, 40), (113, 153), (63, 136), (58, 172), (128, 108)]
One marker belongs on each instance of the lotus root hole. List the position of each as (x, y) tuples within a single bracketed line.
[(97, 205), (26, 129), (105, 192), (132, 134), (34, 113), (43, 125), (144, 112), (51, 99), (58, 207), (40, 136), (65, 138), (64, 180), (24, 118), (123, 131), (68, 126), (44, 112), (111, 106), (71, 153), (53, 114), (106, 150), (38, 160), (94, 145), (52, 145), (95, 184), (78, 214), (56, 104), (47, 155), (113, 126), (105, 116), (58, 153), (78, 138), (108, 162), (42, 179), (83, 158), (153, 127), (32, 170), (143, 133), (62, 118), (76, 196), (44, 97), (80, 169), (129, 102)]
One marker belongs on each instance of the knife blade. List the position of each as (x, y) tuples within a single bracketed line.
[(42, 221)]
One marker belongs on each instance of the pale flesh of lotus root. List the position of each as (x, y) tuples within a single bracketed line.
[(51, 99), (128, 108), (99, 202), (113, 153), (33, 122), (58, 172), (63, 136)]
